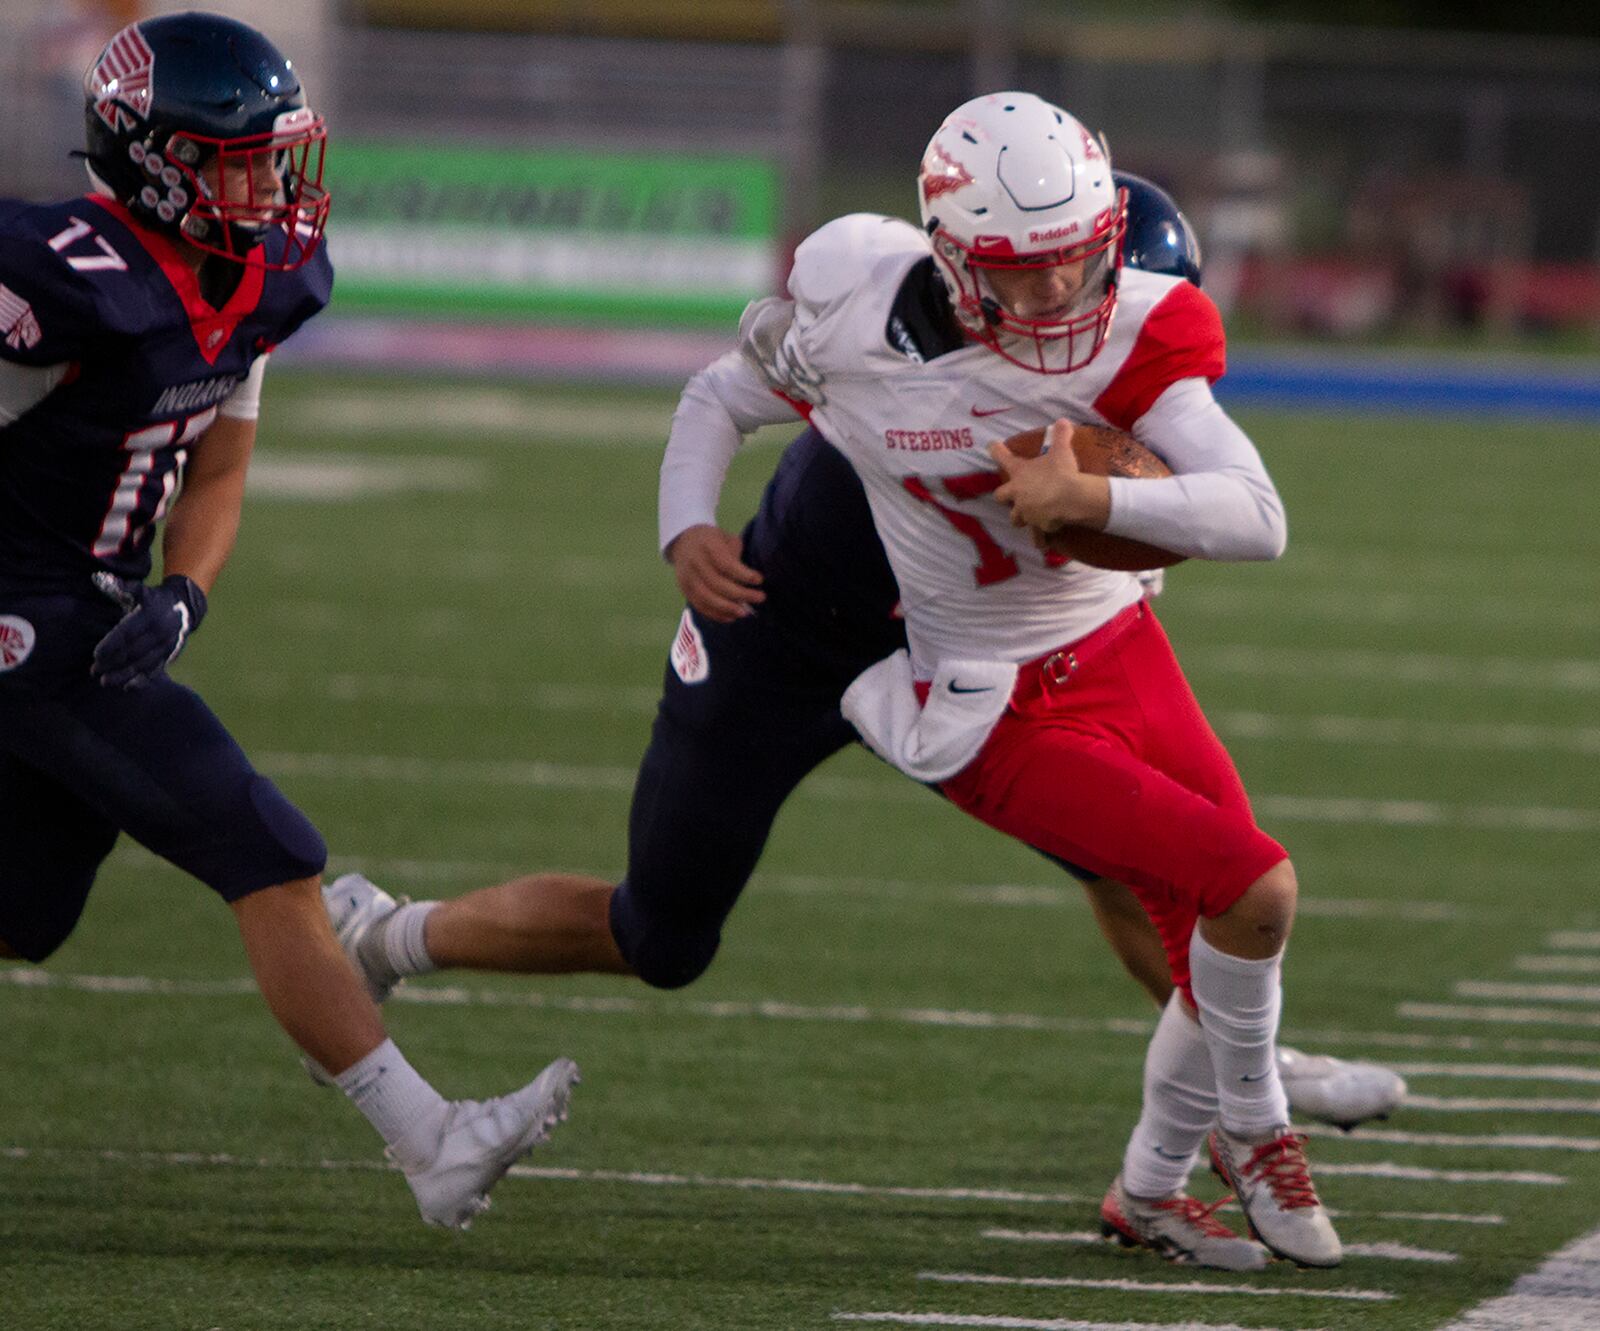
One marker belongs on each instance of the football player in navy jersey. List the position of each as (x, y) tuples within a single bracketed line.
[(135, 327), (781, 619)]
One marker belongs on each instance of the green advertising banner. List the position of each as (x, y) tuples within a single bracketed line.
[(441, 229)]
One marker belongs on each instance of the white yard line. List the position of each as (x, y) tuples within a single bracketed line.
[(613, 699), (1567, 964), (1509, 1104), (1562, 1072), (1155, 1286), (1491, 1141), (1574, 938), (990, 1322), (1528, 992), (1389, 1169), (558, 776), (1562, 1294), (1497, 1016), (1525, 674), (1390, 731), (640, 1178), (649, 1003), (1394, 1252)]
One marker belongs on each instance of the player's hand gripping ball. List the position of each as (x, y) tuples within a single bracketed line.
[(1101, 451)]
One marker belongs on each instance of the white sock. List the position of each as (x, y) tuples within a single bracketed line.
[(404, 938), (404, 1109), (1180, 1106), (1239, 1000)]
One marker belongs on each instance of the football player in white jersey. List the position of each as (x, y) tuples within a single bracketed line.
[(887, 318), (1055, 710)]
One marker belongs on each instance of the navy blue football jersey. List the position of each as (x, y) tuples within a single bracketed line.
[(88, 471)]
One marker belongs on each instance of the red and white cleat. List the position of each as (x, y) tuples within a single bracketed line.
[(1180, 1227), (1272, 1180)]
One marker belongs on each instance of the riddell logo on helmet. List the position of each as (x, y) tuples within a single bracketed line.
[(121, 81), (1054, 233)]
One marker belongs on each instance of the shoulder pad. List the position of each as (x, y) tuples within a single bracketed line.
[(836, 259), (47, 310)]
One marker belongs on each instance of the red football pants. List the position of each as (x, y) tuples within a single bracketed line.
[(1105, 759)]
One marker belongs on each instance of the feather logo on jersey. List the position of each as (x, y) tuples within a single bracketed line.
[(120, 83), (16, 641), (941, 174), (689, 657), (21, 329)]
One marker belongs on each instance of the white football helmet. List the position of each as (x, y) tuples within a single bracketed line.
[(1010, 181)]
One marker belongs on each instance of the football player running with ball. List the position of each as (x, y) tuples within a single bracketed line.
[(1054, 708), (135, 327), (782, 620)]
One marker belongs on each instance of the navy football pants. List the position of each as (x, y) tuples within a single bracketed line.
[(724, 755), (79, 763)]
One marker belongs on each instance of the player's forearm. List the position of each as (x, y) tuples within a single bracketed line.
[(204, 521), (720, 405), (1221, 504)]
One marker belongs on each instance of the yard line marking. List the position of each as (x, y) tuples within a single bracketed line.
[(1559, 965), (1539, 993), (343, 476), (1508, 1141), (1418, 1174), (1503, 1016), (1476, 672), (1562, 1294), (1155, 1286), (1503, 1071), (610, 699), (1034, 1323), (1335, 729), (1396, 1252), (566, 776), (1578, 938), (642, 1178), (1470, 1104), (458, 996), (26, 977)]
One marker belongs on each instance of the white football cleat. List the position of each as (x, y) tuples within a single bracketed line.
[(1336, 1091), (480, 1140), (1272, 1181), (1181, 1228), (357, 908)]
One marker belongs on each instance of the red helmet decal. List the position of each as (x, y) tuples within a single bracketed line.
[(941, 173), (122, 79), (1091, 145)]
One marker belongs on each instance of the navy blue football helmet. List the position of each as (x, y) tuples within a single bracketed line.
[(1159, 238), (199, 126)]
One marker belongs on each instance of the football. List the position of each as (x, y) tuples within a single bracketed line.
[(1103, 451)]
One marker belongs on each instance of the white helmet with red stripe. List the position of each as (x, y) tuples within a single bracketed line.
[(1010, 182)]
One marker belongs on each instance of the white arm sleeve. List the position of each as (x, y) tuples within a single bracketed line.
[(723, 403), (1220, 503), (244, 403), (23, 387)]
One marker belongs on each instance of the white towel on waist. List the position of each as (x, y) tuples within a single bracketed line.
[(932, 742)]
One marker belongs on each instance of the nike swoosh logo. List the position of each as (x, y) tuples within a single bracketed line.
[(956, 688), (980, 413), (1167, 1155), (1262, 1077)]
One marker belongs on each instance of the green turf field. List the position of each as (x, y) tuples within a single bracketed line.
[(442, 633)]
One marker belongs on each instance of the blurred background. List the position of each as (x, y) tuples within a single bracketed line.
[(1420, 171)]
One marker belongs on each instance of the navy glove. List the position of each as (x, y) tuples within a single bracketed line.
[(156, 622)]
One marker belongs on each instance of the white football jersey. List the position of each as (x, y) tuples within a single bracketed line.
[(972, 585)]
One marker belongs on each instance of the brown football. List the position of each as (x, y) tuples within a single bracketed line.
[(1103, 451)]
